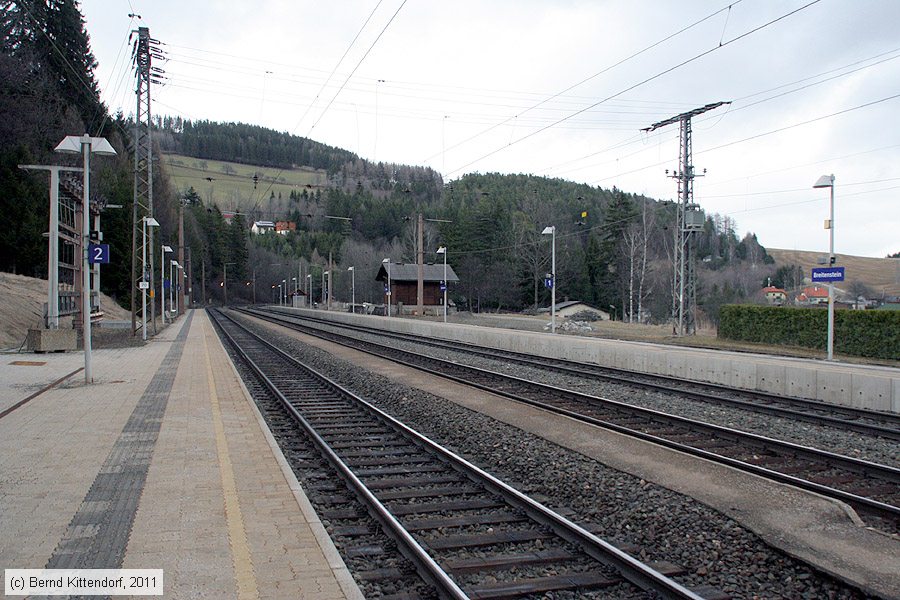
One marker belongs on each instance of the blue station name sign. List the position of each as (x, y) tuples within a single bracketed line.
[(828, 274)]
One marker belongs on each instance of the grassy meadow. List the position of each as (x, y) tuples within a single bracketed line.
[(232, 187)]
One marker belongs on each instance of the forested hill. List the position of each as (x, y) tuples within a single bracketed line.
[(262, 147), (248, 144)]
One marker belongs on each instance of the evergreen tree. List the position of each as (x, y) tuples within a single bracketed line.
[(620, 213), (237, 246), (50, 37)]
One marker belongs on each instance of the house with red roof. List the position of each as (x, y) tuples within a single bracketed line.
[(813, 294), (775, 296)]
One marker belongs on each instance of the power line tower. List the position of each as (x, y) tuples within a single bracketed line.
[(145, 49), (689, 219)]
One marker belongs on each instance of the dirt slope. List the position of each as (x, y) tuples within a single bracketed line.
[(879, 274), (21, 307)]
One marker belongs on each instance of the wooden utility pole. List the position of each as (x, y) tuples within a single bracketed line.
[(179, 304), (330, 296), (420, 271), (190, 279)]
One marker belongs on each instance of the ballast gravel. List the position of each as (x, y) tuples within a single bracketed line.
[(625, 510), (833, 439)]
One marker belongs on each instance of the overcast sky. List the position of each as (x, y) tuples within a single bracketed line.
[(560, 88)]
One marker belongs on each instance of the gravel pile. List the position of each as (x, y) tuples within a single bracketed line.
[(848, 443), (623, 509)]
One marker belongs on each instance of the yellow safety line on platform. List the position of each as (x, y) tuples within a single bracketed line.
[(240, 549)]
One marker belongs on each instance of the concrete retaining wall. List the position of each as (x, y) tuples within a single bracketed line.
[(860, 386)]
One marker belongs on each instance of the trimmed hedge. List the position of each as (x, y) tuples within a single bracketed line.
[(874, 334)]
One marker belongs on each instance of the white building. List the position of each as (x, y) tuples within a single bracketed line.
[(262, 227)]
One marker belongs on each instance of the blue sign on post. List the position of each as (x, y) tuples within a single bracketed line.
[(828, 274), (166, 283), (98, 253), (548, 283), (443, 286)]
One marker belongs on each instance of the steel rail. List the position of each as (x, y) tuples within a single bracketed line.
[(631, 569), (861, 503), (617, 375), (409, 547)]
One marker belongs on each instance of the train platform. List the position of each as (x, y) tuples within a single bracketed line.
[(869, 387), (162, 463)]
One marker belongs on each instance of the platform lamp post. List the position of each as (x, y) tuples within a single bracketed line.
[(145, 223), (181, 275), (387, 263), (352, 289), (162, 279), (86, 145), (296, 289), (443, 250), (309, 290), (173, 271), (827, 181), (551, 231)]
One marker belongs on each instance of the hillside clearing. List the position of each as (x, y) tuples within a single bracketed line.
[(231, 186)]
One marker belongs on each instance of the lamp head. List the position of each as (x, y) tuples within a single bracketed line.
[(350, 268), (167, 249), (549, 230), (442, 250), (72, 144), (825, 181), (151, 222)]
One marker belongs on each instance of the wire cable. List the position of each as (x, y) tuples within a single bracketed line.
[(338, 64), (640, 83), (585, 80)]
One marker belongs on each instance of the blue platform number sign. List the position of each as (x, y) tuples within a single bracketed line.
[(98, 253), (828, 274), (548, 282), (443, 286), (166, 283)]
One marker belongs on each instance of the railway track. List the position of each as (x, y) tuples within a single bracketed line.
[(468, 534), (873, 490), (880, 424)]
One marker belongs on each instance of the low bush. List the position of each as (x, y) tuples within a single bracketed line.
[(873, 334)]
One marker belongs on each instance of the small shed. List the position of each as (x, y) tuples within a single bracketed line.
[(566, 309), (404, 282)]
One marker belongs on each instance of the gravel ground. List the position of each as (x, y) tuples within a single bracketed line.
[(623, 509), (848, 443)]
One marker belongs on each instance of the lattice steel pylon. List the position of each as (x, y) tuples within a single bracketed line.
[(145, 49), (689, 219)]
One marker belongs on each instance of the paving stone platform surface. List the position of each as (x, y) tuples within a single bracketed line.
[(161, 463)]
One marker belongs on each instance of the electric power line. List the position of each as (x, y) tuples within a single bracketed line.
[(585, 80), (640, 83)]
